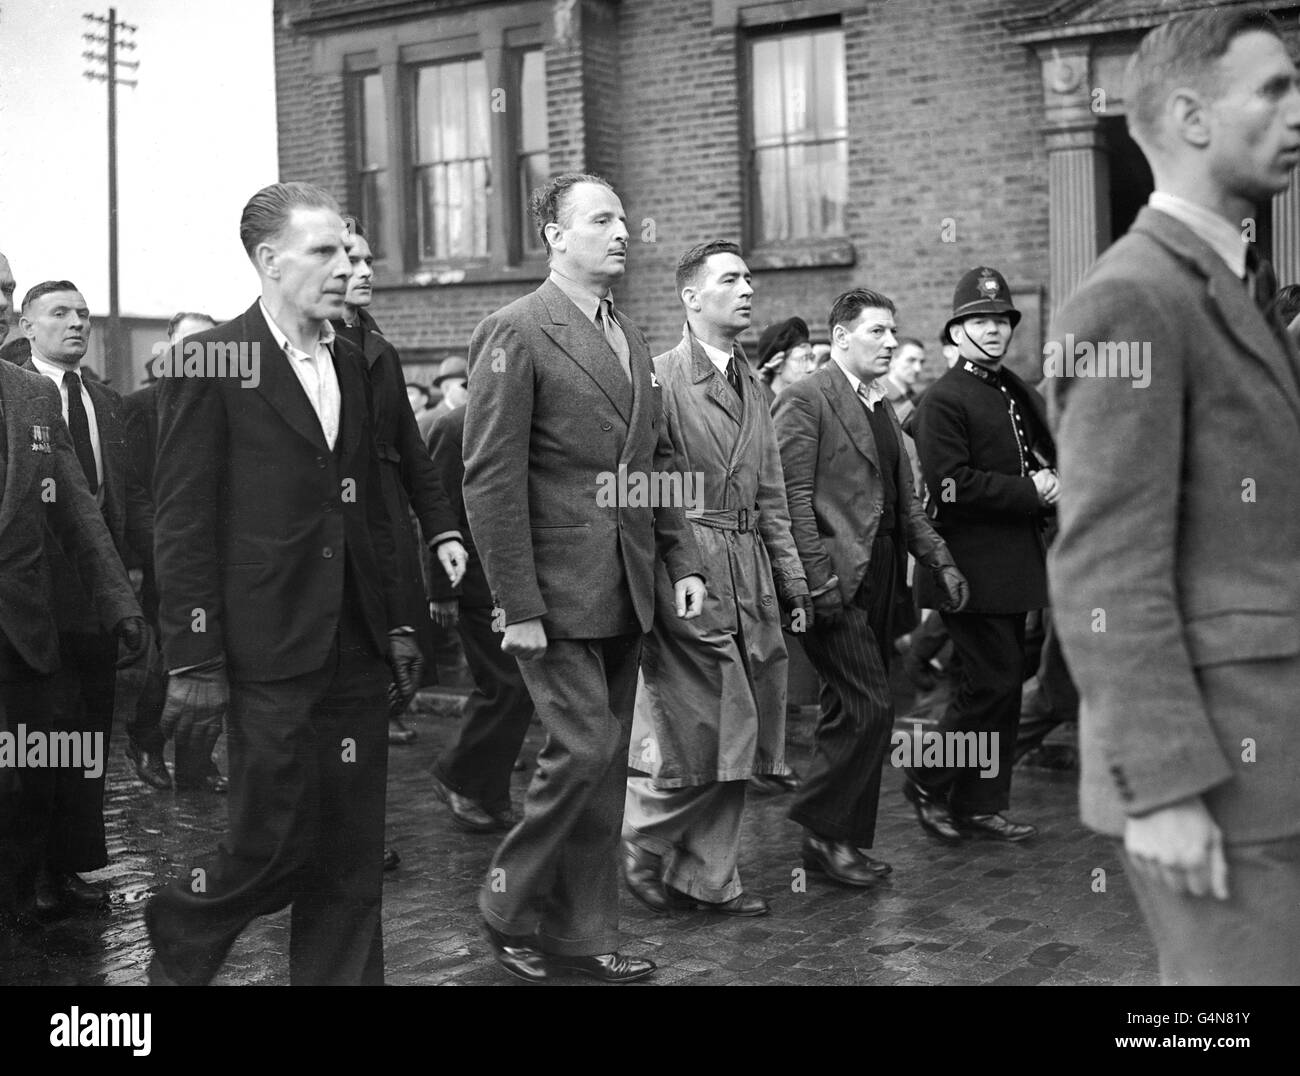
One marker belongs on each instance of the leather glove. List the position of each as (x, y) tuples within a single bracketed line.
[(954, 586), (131, 631), (407, 663), (195, 709), (829, 608), (794, 604)]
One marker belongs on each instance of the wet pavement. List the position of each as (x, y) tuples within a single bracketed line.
[(1056, 910)]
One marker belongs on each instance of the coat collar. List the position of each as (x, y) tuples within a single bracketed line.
[(16, 392), (1227, 294), (848, 408), (579, 338), (719, 390)]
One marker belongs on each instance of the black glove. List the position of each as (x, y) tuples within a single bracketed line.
[(829, 608), (954, 586), (131, 631), (195, 709), (407, 663)]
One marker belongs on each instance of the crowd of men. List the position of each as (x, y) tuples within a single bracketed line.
[(288, 597)]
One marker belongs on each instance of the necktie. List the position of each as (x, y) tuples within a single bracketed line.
[(614, 335), (1261, 280), (79, 425), (733, 376)]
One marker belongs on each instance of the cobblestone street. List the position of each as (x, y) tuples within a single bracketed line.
[(980, 913)]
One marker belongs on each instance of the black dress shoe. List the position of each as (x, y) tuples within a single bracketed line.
[(58, 892), (839, 861), (391, 859), (399, 733), (212, 782), (994, 827), (878, 865), (642, 871), (745, 904), (774, 784), (608, 967), (48, 902), (520, 959), (932, 815), (465, 813), (150, 767)]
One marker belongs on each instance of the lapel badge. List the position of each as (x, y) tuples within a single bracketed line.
[(654, 381), (41, 439)]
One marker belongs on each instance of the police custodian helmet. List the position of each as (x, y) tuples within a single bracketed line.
[(980, 291)]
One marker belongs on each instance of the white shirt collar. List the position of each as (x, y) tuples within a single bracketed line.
[(874, 390), (286, 345), (716, 355), (1222, 236), (52, 370), (582, 297)]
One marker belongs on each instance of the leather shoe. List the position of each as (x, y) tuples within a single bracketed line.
[(839, 861), (212, 782), (465, 813), (744, 904), (519, 959), (56, 892), (608, 967), (150, 767), (774, 784), (932, 815), (391, 859), (878, 865), (642, 872), (994, 827), (399, 733)]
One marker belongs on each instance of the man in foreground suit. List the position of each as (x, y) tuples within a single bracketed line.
[(854, 518), (1176, 572), (43, 492), (562, 393), (56, 320), (275, 566)]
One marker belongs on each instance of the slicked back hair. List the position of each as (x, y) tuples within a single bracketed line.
[(46, 287), (691, 264), (268, 211), (550, 203), (848, 306), (1184, 52), (181, 315)]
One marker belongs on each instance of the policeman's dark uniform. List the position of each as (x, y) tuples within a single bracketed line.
[(981, 432)]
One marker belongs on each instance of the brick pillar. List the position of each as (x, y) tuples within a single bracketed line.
[(583, 86), (1286, 233)]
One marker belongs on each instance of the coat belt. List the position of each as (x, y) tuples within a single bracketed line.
[(726, 519)]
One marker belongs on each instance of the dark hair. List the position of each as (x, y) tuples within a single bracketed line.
[(549, 203), (268, 211), (849, 305), (1183, 52), (1285, 305), (181, 315), (905, 341), (690, 264), (353, 225), (45, 287)]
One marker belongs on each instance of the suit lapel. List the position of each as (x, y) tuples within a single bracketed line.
[(19, 468), (586, 345), (279, 386), (849, 409), (353, 402), (109, 424), (718, 389)]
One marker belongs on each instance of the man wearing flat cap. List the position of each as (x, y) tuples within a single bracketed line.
[(989, 463)]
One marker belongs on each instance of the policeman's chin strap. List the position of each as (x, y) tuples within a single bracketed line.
[(975, 344)]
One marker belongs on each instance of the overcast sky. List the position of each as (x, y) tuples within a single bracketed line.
[(196, 137)]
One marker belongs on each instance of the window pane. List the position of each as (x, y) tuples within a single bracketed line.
[(533, 170), (796, 64), (830, 118), (766, 68), (451, 112), (772, 194), (833, 186), (374, 196), (477, 102), (532, 94), (373, 142)]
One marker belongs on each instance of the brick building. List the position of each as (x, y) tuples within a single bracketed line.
[(888, 143)]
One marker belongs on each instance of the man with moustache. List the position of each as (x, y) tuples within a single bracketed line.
[(1176, 572), (561, 393), (56, 320), (278, 602), (855, 518), (988, 459), (710, 710)]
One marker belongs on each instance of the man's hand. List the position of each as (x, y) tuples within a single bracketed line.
[(525, 640), (829, 608), (445, 614), (1048, 485), (792, 603), (407, 663), (131, 631), (453, 558), (688, 597), (954, 586), (1181, 847), (195, 709)]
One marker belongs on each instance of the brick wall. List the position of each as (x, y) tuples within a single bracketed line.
[(944, 122)]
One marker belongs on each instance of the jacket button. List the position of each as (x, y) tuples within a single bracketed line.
[(327, 552), (320, 461), (607, 426), (767, 599)]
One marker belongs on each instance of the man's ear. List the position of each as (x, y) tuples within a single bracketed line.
[(1185, 116), (267, 260), (691, 298)]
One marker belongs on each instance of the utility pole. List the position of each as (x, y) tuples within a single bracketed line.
[(117, 364)]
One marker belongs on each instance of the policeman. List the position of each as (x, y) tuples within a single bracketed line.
[(988, 461)]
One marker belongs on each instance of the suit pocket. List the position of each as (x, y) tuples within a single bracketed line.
[(1241, 636)]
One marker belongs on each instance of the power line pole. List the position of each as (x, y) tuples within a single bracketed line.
[(117, 364)]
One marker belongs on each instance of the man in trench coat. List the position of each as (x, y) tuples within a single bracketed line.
[(710, 710)]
